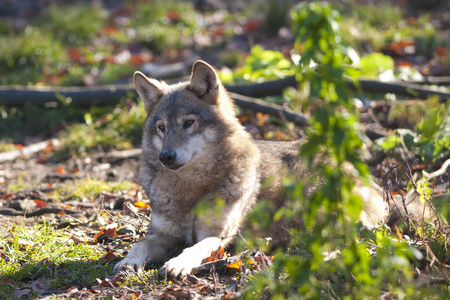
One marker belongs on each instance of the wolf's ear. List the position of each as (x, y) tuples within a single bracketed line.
[(204, 82), (150, 90)]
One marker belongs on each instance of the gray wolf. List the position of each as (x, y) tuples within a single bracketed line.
[(194, 149)]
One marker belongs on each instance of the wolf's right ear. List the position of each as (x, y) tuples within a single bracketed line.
[(150, 90)]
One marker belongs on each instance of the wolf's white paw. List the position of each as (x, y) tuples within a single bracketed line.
[(181, 265), (131, 263)]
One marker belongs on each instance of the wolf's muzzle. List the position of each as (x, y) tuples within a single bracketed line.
[(167, 157)]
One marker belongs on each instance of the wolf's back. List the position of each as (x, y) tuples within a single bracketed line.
[(279, 159)]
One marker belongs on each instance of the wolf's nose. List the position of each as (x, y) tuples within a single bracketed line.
[(167, 157)]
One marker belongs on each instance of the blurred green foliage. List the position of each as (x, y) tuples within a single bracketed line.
[(261, 65), (430, 138), (24, 57), (67, 42), (373, 27), (333, 259), (121, 128), (73, 25)]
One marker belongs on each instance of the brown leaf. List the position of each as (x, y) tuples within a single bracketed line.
[(109, 256), (77, 240), (111, 282), (174, 295), (111, 232)]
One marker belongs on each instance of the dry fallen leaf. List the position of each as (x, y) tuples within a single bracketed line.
[(140, 204), (40, 203), (215, 255), (236, 267), (109, 256)]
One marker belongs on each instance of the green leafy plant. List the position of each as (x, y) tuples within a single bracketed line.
[(430, 138), (261, 65), (332, 260)]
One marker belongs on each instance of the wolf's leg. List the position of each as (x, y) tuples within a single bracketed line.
[(151, 248), (191, 257)]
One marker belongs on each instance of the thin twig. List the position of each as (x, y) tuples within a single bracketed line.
[(439, 172)]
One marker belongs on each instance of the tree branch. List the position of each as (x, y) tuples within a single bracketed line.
[(276, 87)]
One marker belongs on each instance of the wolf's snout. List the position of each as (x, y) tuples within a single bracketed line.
[(167, 157)]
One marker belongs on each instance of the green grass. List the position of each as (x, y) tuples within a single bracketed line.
[(30, 56), (44, 51), (376, 26), (90, 189), (34, 252), (121, 128), (73, 25)]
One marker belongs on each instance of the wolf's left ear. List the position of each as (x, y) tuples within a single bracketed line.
[(204, 82), (150, 90)]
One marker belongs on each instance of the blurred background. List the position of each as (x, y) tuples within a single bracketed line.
[(82, 43), (56, 44)]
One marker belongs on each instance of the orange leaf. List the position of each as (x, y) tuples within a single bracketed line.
[(75, 54), (404, 64), (7, 196), (398, 192), (40, 203), (251, 26), (109, 30), (141, 204), (60, 170), (236, 267), (173, 15), (19, 146), (230, 296), (62, 213), (402, 47), (441, 51), (49, 147), (215, 255), (412, 21), (136, 60), (397, 232)]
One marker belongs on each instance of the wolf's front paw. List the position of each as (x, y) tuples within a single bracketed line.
[(181, 265), (131, 263)]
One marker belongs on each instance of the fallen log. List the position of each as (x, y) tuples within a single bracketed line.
[(78, 96), (28, 150), (112, 94), (276, 87)]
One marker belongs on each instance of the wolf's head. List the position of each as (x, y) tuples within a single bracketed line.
[(186, 119)]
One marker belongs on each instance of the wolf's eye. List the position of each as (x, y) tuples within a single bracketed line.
[(188, 123), (162, 127)]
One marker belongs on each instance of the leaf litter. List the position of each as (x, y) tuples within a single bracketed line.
[(78, 220)]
